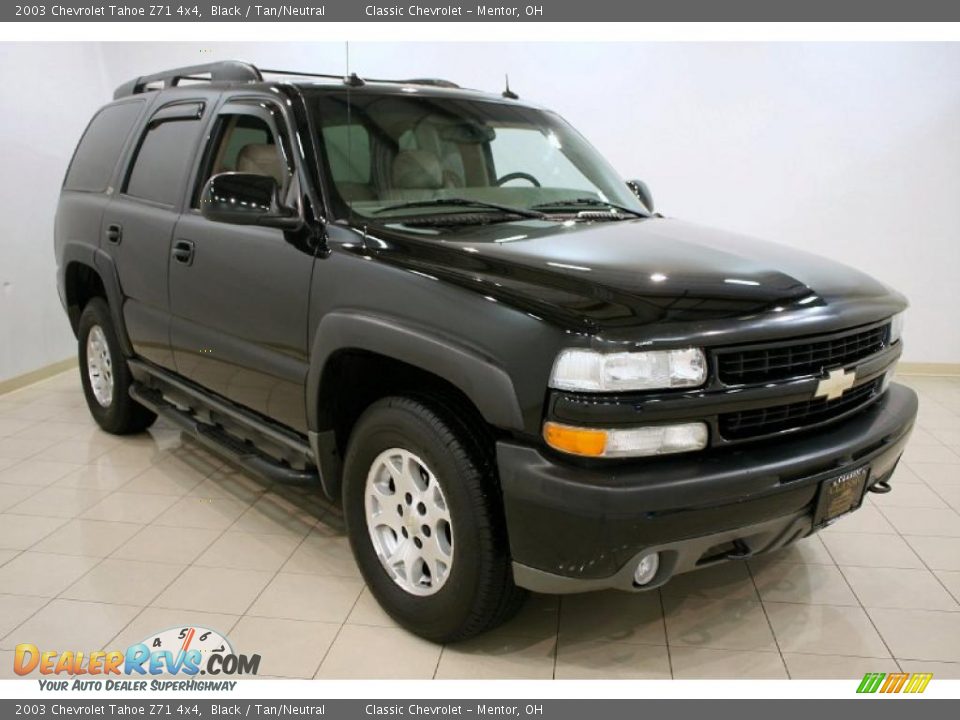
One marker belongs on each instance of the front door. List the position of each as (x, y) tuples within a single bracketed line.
[(239, 294)]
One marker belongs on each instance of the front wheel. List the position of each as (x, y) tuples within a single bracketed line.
[(425, 521), (105, 375)]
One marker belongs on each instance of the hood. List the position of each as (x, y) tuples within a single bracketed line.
[(647, 278)]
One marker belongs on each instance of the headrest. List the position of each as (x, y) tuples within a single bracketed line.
[(261, 159), (417, 170)]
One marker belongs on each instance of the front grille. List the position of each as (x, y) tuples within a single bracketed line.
[(782, 361), (747, 424)]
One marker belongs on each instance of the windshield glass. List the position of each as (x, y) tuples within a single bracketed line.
[(385, 151)]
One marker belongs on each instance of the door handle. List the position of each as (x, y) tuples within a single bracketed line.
[(183, 251), (114, 234)]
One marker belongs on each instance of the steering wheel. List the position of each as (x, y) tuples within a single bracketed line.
[(518, 176)]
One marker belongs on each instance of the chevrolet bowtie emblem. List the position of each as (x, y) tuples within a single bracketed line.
[(835, 384)]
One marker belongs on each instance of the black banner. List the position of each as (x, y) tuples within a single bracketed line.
[(185, 707), (446, 11)]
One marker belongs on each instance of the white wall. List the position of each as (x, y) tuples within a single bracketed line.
[(848, 150), (48, 92)]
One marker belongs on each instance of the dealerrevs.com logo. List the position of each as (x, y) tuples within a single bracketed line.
[(169, 660)]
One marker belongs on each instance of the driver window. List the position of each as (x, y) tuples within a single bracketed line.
[(244, 143)]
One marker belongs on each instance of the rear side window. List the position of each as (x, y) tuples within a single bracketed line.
[(100, 147), (163, 159)]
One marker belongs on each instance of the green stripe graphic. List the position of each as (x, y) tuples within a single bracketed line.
[(871, 682)]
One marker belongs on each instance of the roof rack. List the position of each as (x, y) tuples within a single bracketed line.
[(242, 72), (226, 71), (433, 82)]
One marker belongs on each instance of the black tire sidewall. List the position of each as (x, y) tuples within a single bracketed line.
[(114, 417), (443, 613)]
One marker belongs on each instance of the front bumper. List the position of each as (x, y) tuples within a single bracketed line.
[(576, 528)]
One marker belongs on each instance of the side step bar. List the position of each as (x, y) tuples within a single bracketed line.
[(195, 397), (242, 453)]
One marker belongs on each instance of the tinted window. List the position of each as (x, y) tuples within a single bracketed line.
[(516, 149), (348, 150), (162, 162), (242, 143), (243, 130), (385, 151), (100, 147)]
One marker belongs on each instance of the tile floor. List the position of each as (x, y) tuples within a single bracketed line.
[(104, 540)]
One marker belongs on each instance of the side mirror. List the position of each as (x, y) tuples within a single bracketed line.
[(640, 189), (246, 199)]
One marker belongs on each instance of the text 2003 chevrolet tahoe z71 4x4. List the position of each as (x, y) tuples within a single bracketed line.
[(446, 309)]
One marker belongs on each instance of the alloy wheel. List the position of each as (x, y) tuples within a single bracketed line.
[(100, 366), (409, 522)]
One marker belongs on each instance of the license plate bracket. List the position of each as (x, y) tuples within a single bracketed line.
[(840, 495)]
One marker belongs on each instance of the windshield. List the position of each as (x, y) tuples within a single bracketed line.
[(396, 155)]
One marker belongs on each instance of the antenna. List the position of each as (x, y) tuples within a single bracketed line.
[(349, 79), (508, 93)]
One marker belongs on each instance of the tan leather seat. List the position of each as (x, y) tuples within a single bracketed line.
[(417, 170), (262, 159), (451, 161)]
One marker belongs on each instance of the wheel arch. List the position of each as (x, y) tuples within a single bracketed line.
[(417, 362), (88, 272)]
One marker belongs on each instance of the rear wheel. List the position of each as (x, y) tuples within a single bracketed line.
[(105, 374), (425, 521)]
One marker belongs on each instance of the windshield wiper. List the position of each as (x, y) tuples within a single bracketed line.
[(589, 201), (463, 202), (466, 217)]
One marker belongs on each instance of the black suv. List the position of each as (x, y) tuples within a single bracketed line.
[(445, 309)]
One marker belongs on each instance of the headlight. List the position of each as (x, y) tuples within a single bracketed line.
[(591, 371), (896, 327), (626, 442)]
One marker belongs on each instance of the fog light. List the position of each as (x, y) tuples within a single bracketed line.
[(646, 569)]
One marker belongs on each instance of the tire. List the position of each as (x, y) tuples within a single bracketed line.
[(105, 374), (476, 591)]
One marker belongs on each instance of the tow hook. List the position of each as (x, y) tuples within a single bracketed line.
[(741, 551), (882, 487)]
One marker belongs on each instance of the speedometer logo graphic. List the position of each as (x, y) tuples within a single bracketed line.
[(184, 639)]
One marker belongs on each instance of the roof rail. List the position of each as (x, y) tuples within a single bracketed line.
[(236, 71), (353, 79), (296, 73), (225, 71), (433, 82)]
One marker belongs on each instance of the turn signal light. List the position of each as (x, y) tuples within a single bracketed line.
[(574, 440), (642, 441)]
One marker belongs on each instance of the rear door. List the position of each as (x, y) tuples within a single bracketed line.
[(239, 294), (138, 223)]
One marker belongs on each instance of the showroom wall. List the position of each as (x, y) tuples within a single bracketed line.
[(847, 150), (47, 95)]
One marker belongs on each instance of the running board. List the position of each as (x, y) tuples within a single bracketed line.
[(243, 453)]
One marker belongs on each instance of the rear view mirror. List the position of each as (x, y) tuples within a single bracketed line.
[(640, 189), (467, 133), (246, 199)]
